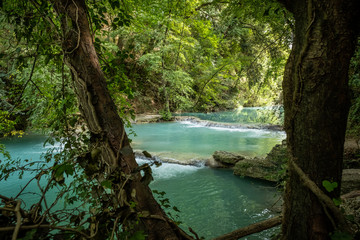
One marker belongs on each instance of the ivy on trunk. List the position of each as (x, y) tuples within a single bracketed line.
[(316, 107), (132, 198)]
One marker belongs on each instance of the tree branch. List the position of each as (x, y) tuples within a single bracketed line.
[(323, 198), (18, 220), (29, 80), (207, 82), (6, 229), (210, 3), (253, 228)]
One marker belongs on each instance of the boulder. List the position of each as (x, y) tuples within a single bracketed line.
[(211, 162), (270, 168), (350, 204), (350, 180), (278, 154), (227, 158), (259, 168)]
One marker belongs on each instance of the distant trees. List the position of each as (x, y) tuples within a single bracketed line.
[(189, 56)]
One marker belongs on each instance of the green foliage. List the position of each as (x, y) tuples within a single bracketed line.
[(166, 115), (205, 57), (139, 235), (7, 126), (165, 203), (35, 83), (329, 186), (182, 55), (337, 235)]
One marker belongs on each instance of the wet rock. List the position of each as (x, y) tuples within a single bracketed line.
[(211, 162), (278, 154), (147, 118), (227, 158), (258, 168), (147, 154), (270, 168)]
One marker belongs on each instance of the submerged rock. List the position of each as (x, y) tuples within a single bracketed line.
[(228, 159)]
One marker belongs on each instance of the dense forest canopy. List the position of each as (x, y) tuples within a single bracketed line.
[(160, 56), (67, 63)]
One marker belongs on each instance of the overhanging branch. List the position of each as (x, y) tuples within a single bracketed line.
[(254, 228)]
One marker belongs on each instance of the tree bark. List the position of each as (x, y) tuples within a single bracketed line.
[(316, 107), (116, 159)]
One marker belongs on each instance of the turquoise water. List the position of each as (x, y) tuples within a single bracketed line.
[(214, 202), (30, 147), (247, 115), (211, 201), (187, 140)]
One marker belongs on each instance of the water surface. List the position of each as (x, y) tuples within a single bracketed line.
[(211, 201), (244, 115), (187, 140)]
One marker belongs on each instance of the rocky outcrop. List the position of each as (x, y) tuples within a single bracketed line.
[(146, 118), (350, 205), (158, 160), (273, 167), (350, 180), (351, 154), (227, 159), (270, 168), (259, 168)]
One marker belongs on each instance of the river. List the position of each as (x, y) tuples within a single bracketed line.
[(211, 201)]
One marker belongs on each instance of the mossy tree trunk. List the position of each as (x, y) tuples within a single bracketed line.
[(116, 159), (316, 107)]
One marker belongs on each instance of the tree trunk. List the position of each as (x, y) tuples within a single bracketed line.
[(316, 107), (116, 160)]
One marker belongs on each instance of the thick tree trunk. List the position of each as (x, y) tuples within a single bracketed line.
[(116, 160), (316, 107)]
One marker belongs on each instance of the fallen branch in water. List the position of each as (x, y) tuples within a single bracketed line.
[(253, 228)]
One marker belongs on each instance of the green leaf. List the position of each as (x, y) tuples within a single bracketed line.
[(341, 236), (139, 235), (337, 201), (106, 184), (329, 186)]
